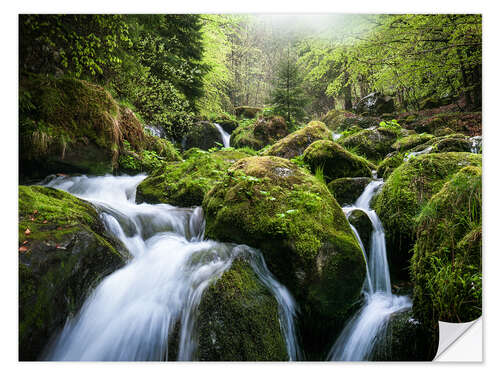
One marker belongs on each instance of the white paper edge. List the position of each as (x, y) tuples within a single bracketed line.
[(460, 342)]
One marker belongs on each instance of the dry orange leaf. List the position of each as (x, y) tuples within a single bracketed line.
[(45, 221), (22, 249), (27, 231), (35, 212)]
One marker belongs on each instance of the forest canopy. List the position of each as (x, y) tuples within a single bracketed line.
[(171, 68)]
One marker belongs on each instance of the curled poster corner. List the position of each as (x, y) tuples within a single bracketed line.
[(460, 342)]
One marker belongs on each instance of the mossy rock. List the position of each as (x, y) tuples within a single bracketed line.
[(68, 125), (446, 262), (391, 162), (186, 183), (373, 144), (347, 190), (273, 205), (406, 339), (360, 220), (239, 319), (247, 111), (295, 143), (406, 192), (203, 135), (263, 132), (409, 142), (158, 152), (340, 120), (336, 161), (452, 145), (443, 131), (63, 253)]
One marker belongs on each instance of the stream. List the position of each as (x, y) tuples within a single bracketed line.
[(132, 313)]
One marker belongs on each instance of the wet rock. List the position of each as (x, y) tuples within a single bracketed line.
[(375, 104), (347, 190)]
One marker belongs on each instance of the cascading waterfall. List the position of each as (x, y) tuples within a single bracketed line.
[(226, 137), (358, 337), (132, 313)]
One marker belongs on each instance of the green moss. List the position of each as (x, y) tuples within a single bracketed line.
[(406, 143), (406, 192), (335, 161), (247, 111), (278, 207), (390, 163), (262, 132), (62, 256), (185, 183), (372, 144), (239, 319), (446, 265), (295, 143), (347, 190)]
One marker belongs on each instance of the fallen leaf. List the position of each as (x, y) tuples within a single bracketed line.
[(25, 242), (59, 228), (32, 218), (22, 249), (35, 212), (27, 231), (45, 222)]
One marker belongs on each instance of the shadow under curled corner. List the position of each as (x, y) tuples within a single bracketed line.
[(460, 342)]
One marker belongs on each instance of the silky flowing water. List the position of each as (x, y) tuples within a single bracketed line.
[(226, 137), (358, 337), (132, 313)]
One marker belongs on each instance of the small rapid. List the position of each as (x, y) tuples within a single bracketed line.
[(358, 337), (226, 137), (133, 313)]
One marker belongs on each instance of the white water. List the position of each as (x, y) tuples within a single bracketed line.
[(416, 153), (132, 313), (225, 135), (336, 136), (155, 130), (476, 143), (356, 340)]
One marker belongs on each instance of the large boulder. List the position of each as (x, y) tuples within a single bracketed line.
[(203, 135), (263, 132), (373, 144), (295, 143), (390, 162), (411, 141), (335, 161), (239, 319), (272, 204), (360, 220), (63, 253), (339, 120), (468, 123), (406, 192), (68, 125), (186, 183), (247, 111), (405, 339), (446, 262), (375, 104), (347, 190)]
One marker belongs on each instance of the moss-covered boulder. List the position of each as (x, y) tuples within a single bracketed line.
[(373, 144), (339, 120), (263, 132), (226, 122), (336, 161), (375, 103), (409, 142), (452, 144), (295, 143), (247, 111), (273, 205), (239, 319), (406, 339), (63, 253), (446, 262), (360, 220), (391, 162), (68, 125), (406, 192), (203, 135), (186, 183), (347, 190)]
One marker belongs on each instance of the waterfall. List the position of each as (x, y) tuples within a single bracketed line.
[(476, 144), (358, 337), (416, 153), (133, 313), (224, 135), (157, 131), (336, 136)]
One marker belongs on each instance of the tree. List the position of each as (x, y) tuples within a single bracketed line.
[(288, 96)]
